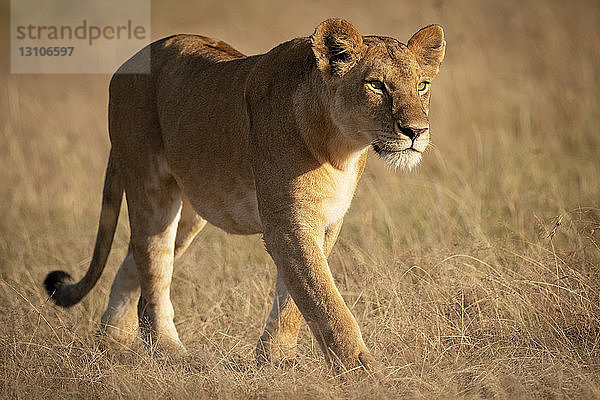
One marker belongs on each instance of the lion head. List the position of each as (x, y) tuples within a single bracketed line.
[(380, 88)]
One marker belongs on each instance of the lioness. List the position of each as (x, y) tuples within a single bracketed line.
[(273, 144)]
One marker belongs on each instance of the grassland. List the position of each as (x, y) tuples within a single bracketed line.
[(475, 276)]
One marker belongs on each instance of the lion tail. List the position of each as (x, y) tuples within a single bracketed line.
[(59, 284)]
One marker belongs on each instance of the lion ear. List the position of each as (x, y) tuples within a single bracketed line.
[(337, 46), (429, 46)]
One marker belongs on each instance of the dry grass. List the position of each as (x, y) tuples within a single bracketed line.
[(474, 277)]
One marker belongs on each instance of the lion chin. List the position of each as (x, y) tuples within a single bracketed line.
[(404, 159)]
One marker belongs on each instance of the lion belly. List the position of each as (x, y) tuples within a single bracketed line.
[(234, 211)]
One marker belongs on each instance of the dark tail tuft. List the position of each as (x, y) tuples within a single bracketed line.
[(60, 286), (53, 284)]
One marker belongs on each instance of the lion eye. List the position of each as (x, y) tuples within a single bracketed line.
[(376, 85), (421, 87)]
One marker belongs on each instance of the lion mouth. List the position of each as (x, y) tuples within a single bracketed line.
[(380, 150), (406, 158)]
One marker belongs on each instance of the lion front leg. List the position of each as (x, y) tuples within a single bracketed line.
[(279, 340), (303, 268)]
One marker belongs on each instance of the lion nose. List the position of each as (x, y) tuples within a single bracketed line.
[(412, 132)]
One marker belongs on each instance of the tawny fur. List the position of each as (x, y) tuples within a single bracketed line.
[(272, 144)]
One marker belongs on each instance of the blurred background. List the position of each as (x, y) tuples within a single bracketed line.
[(476, 275)]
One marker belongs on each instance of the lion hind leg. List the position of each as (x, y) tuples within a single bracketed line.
[(120, 322), (189, 225), (127, 310), (155, 204)]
